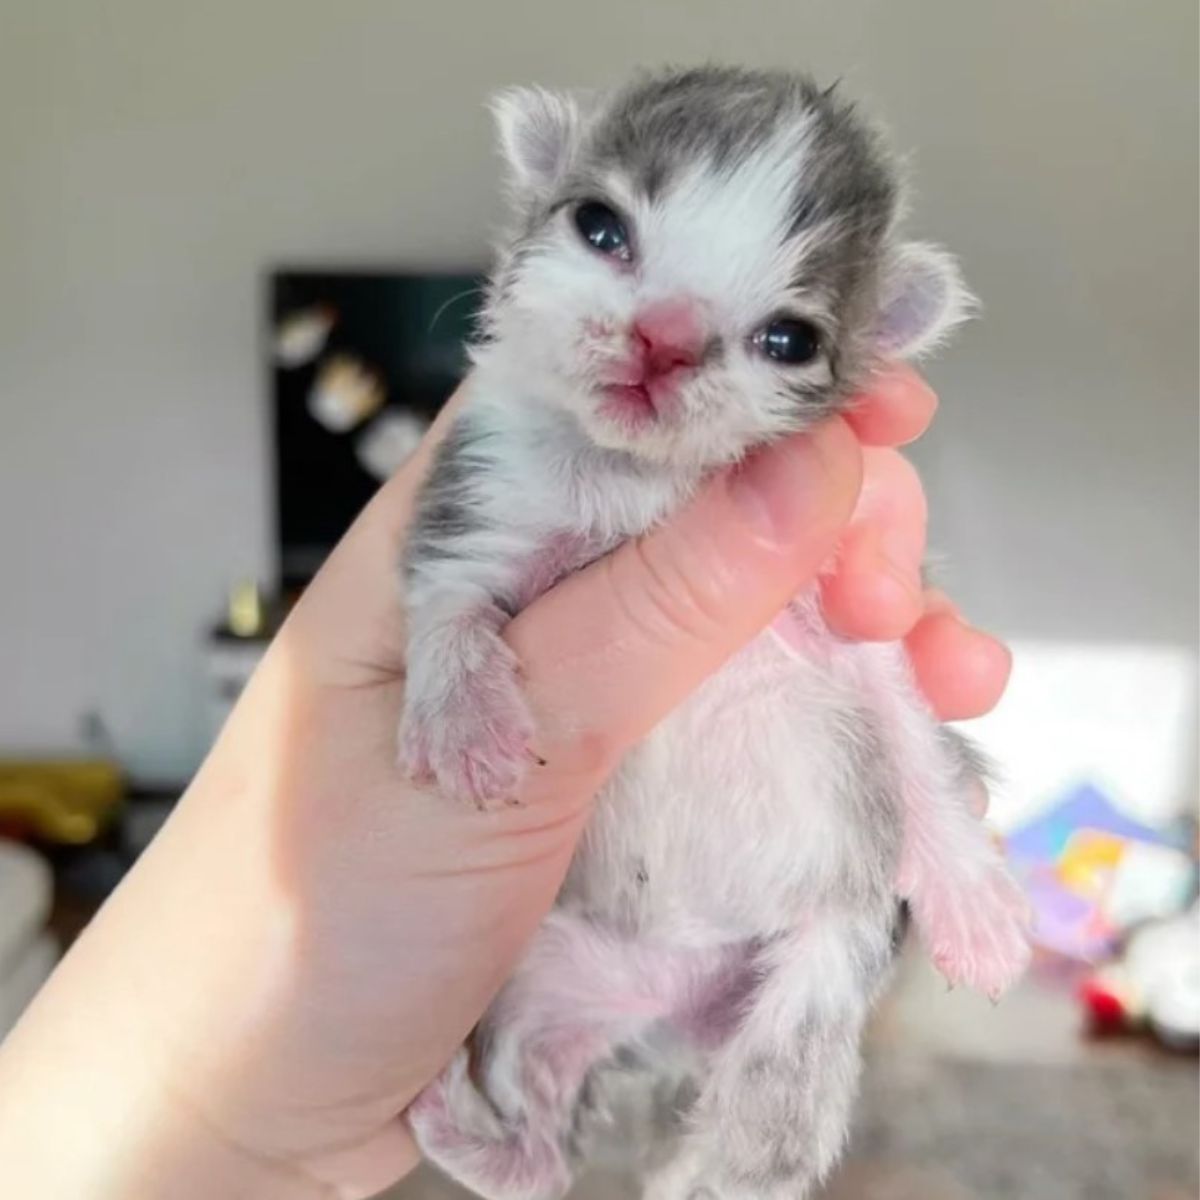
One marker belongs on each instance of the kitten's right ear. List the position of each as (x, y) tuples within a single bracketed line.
[(538, 130)]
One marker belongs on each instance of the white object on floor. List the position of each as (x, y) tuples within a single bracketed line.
[(24, 978), (27, 952)]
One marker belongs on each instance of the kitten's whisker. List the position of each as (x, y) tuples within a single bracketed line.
[(437, 316)]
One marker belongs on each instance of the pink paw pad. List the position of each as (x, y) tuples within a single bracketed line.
[(459, 1132)]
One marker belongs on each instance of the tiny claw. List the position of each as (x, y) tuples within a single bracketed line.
[(535, 756)]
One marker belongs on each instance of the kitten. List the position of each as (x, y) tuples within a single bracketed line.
[(705, 262)]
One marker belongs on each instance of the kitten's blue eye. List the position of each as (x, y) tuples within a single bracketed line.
[(790, 341), (602, 229)]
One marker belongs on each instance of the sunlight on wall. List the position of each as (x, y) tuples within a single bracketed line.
[(1122, 717)]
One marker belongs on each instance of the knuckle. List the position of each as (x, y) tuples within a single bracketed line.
[(661, 597), (588, 754)]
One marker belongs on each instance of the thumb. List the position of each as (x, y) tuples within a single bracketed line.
[(614, 648)]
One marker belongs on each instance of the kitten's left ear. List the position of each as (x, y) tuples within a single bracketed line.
[(923, 299), (538, 131)]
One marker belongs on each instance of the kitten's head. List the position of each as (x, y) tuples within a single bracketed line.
[(706, 261)]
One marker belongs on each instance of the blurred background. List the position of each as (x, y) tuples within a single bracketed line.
[(238, 252)]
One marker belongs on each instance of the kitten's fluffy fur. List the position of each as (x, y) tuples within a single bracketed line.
[(734, 900)]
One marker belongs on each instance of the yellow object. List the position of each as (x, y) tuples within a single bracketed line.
[(1089, 861), (246, 610), (70, 801)]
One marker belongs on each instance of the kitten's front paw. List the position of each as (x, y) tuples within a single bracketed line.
[(473, 739), (978, 933)]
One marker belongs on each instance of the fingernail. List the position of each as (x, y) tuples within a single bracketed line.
[(773, 488), (937, 603)]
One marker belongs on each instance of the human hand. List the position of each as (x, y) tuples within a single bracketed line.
[(310, 937)]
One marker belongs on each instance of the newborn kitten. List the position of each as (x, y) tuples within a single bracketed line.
[(706, 262)]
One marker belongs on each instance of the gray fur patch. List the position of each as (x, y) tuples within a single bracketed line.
[(872, 796), (448, 509), (872, 956), (870, 801), (783, 1093), (667, 121), (772, 1098), (848, 179), (813, 403), (633, 1106), (971, 761)]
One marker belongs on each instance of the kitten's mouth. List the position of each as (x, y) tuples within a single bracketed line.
[(630, 405), (636, 401)]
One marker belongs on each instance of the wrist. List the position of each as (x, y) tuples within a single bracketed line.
[(115, 1083), (84, 1112)]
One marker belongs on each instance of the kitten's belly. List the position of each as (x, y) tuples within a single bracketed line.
[(743, 809)]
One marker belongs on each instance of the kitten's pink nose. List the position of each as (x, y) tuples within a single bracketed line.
[(671, 334)]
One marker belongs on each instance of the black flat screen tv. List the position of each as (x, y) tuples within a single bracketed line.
[(358, 362)]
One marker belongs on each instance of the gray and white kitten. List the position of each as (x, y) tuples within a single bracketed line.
[(706, 261)]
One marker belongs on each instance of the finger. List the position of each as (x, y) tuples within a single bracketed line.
[(895, 407), (874, 591), (874, 594), (961, 670), (936, 601), (646, 624)]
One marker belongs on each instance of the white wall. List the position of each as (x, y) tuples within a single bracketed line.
[(155, 157)]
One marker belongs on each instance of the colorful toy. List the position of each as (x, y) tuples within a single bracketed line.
[(1092, 874)]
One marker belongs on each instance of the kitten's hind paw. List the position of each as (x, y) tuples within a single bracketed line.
[(977, 934), (460, 1132)]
